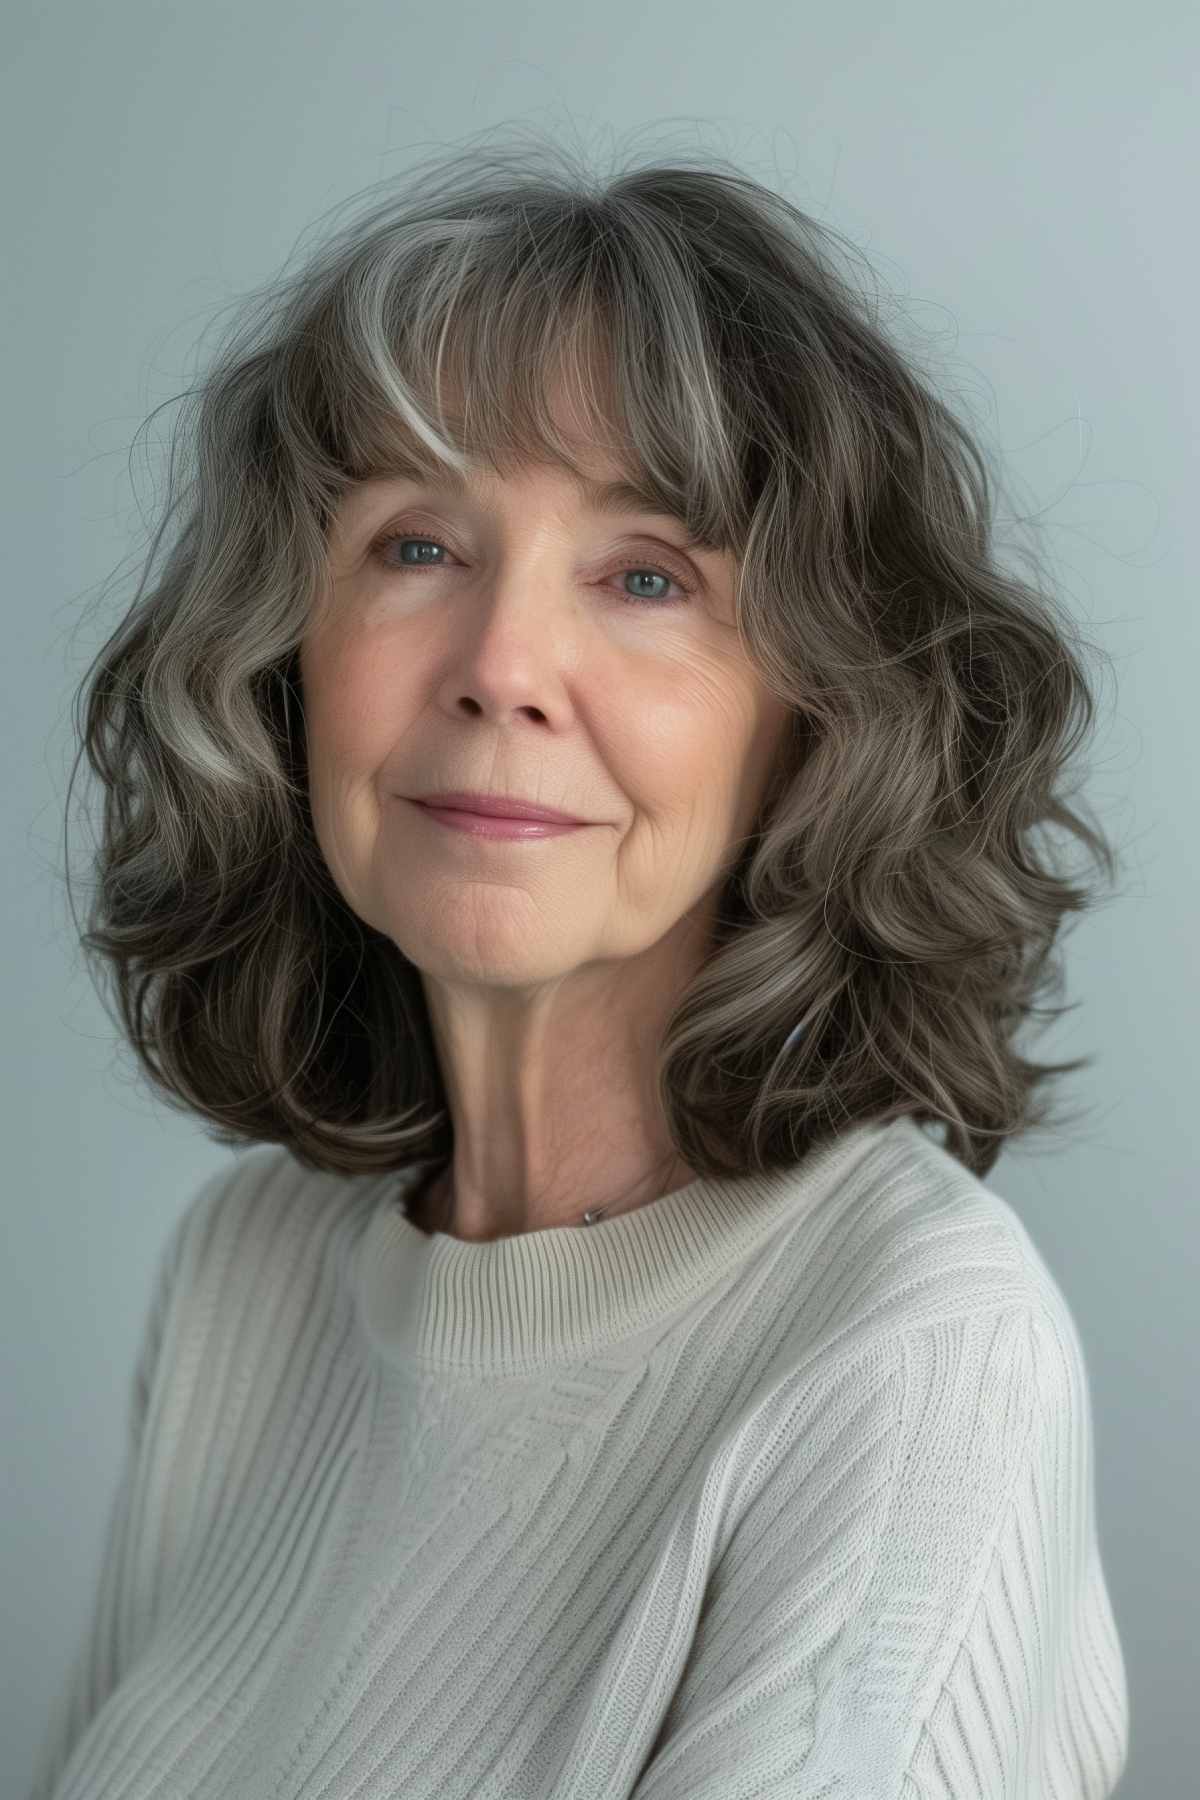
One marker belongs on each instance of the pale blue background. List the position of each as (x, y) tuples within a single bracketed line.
[(1023, 178)]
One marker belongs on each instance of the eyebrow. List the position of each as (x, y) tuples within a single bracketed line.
[(619, 496), (631, 496)]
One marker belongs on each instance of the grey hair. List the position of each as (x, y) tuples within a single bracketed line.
[(887, 927)]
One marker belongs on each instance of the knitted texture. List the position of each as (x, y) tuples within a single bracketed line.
[(780, 1486)]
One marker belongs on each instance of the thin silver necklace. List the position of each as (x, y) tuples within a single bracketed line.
[(590, 1217)]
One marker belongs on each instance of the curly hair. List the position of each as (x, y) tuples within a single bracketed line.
[(888, 925)]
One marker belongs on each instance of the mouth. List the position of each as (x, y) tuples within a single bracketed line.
[(493, 825), (496, 806)]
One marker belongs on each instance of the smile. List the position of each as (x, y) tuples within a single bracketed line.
[(484, 825)]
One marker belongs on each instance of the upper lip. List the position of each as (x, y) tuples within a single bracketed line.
[(498, 806)]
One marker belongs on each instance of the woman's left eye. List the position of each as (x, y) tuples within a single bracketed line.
[(384, 543)]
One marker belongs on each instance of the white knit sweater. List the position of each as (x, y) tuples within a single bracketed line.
[(773, 1487)]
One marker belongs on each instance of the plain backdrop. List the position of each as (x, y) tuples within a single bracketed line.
[(1022, 180)]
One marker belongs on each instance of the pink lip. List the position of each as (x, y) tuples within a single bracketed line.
[(487, 825), (497, 806)]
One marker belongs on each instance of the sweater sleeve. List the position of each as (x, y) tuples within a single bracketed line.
[(913, 1606), (123, 1603)]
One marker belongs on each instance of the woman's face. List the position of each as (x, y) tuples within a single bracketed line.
[(581, 659)]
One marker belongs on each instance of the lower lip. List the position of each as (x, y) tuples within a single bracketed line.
[(484, 825)]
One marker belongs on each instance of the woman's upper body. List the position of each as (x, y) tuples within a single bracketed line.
[(779, 1486), (777, 1479)]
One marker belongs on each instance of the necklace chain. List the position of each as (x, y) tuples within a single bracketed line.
[(590, 1217)]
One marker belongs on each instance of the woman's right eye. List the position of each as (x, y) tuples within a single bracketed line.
[(382, 544)]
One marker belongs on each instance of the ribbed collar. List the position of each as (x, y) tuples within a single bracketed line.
[(562, 1293)]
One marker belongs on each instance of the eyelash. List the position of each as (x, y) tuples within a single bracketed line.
[(388, 538)]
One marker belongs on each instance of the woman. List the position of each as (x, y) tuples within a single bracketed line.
[(595, 1380)]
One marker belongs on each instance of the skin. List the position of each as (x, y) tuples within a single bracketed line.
[(518, 662)]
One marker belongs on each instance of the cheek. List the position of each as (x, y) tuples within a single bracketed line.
[(699, 745), (353, 705), (355, 715), (671, 718), (731, 760), (685, 775)]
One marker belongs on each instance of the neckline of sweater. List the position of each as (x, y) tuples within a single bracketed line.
[(560, 1294)]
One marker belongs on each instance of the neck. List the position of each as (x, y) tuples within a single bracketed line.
[(433, 1209)]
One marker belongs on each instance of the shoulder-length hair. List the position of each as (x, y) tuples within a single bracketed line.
[(887, 927)]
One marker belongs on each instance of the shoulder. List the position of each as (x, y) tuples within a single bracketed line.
[(924, 1329), (261, 1256), (262, 1223), (913, 1241)]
